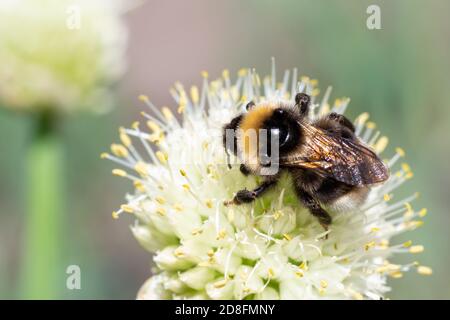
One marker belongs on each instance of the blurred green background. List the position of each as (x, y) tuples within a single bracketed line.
[(399, 74)]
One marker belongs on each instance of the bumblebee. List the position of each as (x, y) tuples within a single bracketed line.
[(330, 167)]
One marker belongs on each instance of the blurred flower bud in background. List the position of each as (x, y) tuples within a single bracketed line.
[(60, 55)]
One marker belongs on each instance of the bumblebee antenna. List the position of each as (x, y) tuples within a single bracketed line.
[(302, 101)]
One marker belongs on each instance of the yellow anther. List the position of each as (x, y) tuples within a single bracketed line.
[(204, 74), (357, 296), (220, 283), (119, 150), (104, 155), (304, 79), (408, 214), (423, 212), (386, 197), (362, 118), (141, 168), (135, 125), (315, 92), (384, 243), (156, 137), (209, 203), (369, 245), (303, 265), (382, 269), (381, 144), (160, 200), (409, 175), (396, 274), (242, 72), (178, 207), (423, 270), (416, 249), (161, 211), (162, 157), (167, 113), (277, 214), (270, 272), (314, 82), (406, 167), (119, 172), (204, 264), (178, 252), (287, 237), (371, 125), (337, 102), (323, 283), (181, 108), (115, 215), (210, 253), (407, 244), (196, 231), (299, 273), (186, 187), (400, 152), (153, 126), (375, 229), (325, 109), (226, 74), (195, 95), (222, 234), (179, 86), (408, 206), (127, 208), (415, 223), (205, 145), (183, 173), (143, 98), (393, 267), (125, 138), (139, 186)]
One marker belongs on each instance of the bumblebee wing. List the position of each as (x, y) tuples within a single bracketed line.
[(345, 160), (357, 165)]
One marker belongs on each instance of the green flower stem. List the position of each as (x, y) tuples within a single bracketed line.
[(42, 273)]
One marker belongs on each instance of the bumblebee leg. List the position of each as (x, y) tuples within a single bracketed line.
[(246, 196), (314, 207)]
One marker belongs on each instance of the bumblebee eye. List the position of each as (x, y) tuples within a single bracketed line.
[(282, 132), (249, 105)]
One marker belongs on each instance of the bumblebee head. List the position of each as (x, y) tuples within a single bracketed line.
[(266, 131)]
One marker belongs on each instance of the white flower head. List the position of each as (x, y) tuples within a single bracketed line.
[(270, 249), (60, 55)]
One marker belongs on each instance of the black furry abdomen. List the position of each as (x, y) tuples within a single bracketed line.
[(323, 189)]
